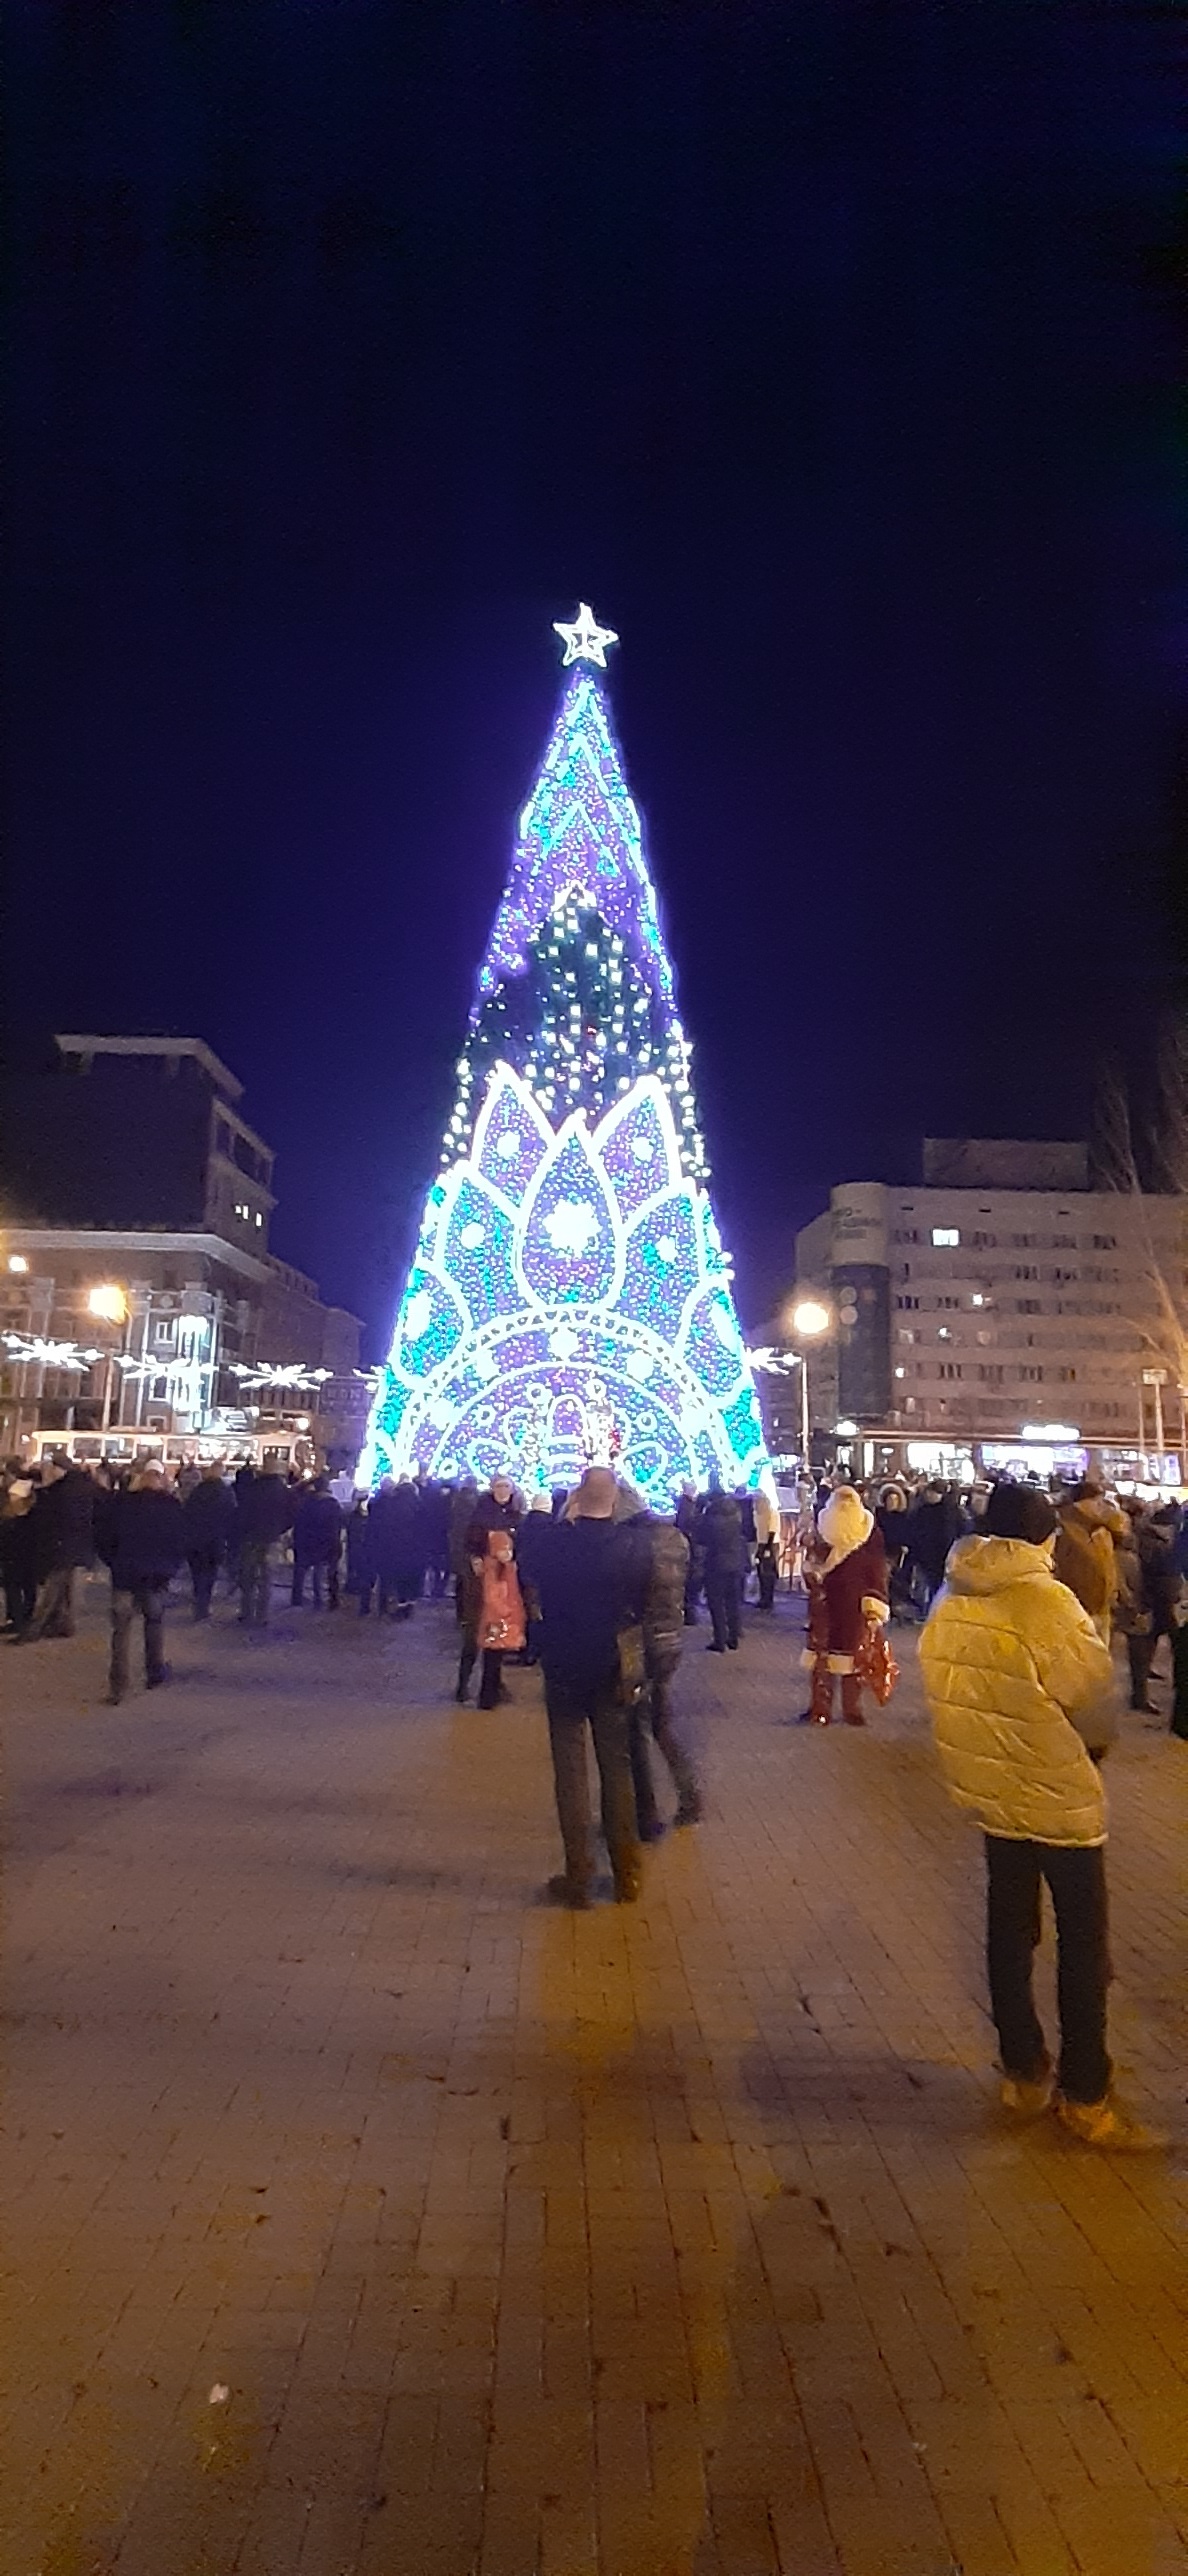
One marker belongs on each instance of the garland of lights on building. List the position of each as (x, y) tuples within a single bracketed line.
[(569, 1300)]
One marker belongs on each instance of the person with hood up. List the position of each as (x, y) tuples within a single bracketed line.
[(141, 1536), (845, 1575), (1017, 1681)]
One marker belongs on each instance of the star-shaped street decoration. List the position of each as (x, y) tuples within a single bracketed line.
[(585, 640)]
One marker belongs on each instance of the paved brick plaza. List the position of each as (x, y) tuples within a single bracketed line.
[(683, 2238)]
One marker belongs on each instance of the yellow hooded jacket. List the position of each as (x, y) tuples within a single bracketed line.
[(1018, 1683)]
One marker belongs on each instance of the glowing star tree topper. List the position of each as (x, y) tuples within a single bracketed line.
[(569, 1293)]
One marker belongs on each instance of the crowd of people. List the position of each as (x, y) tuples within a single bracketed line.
[(1020, 1594), (589, 1585)]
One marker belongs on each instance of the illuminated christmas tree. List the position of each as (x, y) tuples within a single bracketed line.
[(569, 1297)]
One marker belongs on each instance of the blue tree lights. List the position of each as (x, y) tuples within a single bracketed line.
[(569, 1298)]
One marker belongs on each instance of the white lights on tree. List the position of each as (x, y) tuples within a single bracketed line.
[(585, 640), (569, 1296)]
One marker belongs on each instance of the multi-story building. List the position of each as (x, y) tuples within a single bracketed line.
[(140, 1303), (1001, 1313)]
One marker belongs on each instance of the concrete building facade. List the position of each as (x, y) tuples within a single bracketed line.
[(1001, 1310), (140, 1303)]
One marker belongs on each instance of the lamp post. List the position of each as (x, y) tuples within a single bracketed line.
[(810, 1323), (108, 1303)]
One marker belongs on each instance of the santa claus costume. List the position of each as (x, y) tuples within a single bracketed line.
[(845, 1573)]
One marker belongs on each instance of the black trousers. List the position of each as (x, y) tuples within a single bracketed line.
[(315, 1567), (1015, 1872), (723, 1593), (127, 1601), (571, 1709), (204, 1566)]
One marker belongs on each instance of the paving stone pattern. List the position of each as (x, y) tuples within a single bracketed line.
[(367, 2218)]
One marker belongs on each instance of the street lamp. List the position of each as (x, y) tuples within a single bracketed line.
[(108, 1303), (809, 1321)]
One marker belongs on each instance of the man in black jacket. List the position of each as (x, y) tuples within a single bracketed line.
[(592, 1582), (317, 1542), (210, 1513), (141, 1533), (264, 1511), (63, 1539), (725, 1564)]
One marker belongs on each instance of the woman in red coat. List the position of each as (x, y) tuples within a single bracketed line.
[(845, 1572)]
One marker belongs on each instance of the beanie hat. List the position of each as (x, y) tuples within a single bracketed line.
[(1019, 1511)]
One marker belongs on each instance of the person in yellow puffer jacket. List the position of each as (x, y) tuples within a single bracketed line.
[(1018, 1685)]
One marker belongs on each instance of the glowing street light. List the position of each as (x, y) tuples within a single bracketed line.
[(810, 1318), (17, 1264), (108, 1303)]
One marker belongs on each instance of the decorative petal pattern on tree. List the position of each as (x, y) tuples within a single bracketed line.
[(512, 1137), (429, 1326), (570, 1249), (713, 1344), (636, 1143), (476, 1241), (662, 1271)]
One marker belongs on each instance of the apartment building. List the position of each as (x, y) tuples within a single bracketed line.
[(140, 1302), (1001, 1312)]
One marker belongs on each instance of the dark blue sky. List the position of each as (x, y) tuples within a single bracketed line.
[(828, 349)]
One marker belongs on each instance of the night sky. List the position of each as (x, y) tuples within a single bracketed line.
[(829, 350)]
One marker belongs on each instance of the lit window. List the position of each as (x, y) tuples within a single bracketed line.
[(945, 1236)]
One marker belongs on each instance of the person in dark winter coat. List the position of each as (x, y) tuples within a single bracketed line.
[(63, 1540), (462, 1503), (663, 1555), (933, 1527), (592, 1586), (211, 1520), (498, 1508), (141, 1533), (397, 1545), (725, 1547), (264, 1511), (529, 1543), (317, 1543), (435, 1530), (688, 1521), (1155, 1540), (18, 1564), (360, 1573), (767, 1571)]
